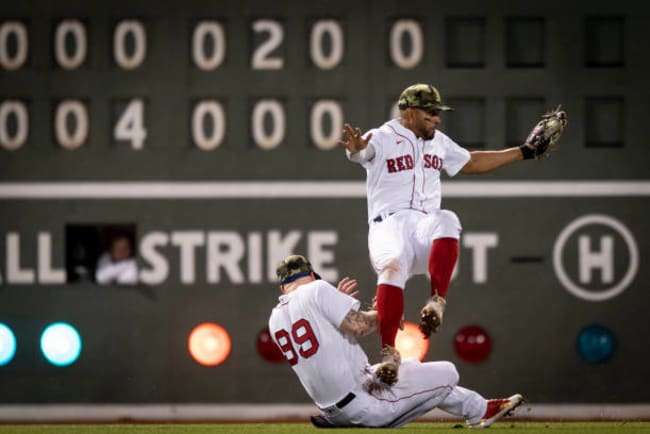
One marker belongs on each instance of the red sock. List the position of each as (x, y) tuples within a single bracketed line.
[(390, 307), (442, 260)]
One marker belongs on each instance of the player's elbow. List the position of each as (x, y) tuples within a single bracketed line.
[(473, 167)]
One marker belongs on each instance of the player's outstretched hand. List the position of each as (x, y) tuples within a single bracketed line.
[(353, 141), (542, 139), (348, 286)]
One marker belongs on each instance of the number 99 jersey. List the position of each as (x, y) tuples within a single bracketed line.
[(305, 325)]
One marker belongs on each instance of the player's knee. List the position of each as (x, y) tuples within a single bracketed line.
[(452, 373), (449, 224), (390, 269), (449, 218)]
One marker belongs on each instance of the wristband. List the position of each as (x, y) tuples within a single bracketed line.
[(527, 152)]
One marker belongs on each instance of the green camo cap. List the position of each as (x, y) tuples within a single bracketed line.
[(422, 96), (294, 267)]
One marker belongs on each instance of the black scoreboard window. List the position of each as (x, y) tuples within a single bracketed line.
[(89, 245)]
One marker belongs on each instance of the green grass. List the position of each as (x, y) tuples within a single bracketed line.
[(273, 428)]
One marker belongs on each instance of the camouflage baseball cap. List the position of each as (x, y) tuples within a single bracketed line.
[(294, 267), (422, 96)]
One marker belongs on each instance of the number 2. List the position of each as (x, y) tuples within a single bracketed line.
[(301, 334)]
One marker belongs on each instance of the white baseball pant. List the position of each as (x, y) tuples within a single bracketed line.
[(400, 244), (421, 387)]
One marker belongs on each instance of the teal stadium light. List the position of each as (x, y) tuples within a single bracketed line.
[(7, 344), (61, 344), (596, 344)]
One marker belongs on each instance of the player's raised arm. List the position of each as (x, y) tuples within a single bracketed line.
[(353, 141), (348, 286), (540, 142), (360, 323), (487, 161)]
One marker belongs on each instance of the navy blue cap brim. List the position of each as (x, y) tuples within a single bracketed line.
[(298, 276)]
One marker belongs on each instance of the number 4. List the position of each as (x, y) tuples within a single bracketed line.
[(130, 127)]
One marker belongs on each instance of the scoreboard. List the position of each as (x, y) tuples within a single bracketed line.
[(206, 134)]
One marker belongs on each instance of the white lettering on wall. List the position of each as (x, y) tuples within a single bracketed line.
[(15, 273), (46, 273), (479, 243), (158, 265), (188, 241), (602, 259), (225, 250), (230, 257), (319, 256)]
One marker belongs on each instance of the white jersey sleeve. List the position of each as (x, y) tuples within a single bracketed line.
[(334, 304), (456, 157)]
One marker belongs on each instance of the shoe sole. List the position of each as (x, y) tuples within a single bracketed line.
[(429, 321), (387, 373)]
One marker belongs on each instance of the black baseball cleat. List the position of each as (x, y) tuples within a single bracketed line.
[(320, 422)]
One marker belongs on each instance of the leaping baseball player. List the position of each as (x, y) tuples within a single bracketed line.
[(316, 326), (409, 234)]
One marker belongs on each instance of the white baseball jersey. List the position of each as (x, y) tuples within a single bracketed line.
[(305, 325), (403, 171), (332, 366)]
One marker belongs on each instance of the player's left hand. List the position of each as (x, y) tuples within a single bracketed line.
[(542, 139), (348, 286)]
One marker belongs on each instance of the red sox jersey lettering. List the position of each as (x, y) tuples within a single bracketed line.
[(399, 164), (432, 161), (405, 162), (403, 171)]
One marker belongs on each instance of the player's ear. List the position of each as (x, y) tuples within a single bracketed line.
[(408, 115)]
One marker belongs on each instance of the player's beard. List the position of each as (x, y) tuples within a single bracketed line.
[(428, 134)]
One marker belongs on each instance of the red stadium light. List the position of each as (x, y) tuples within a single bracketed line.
[(209, 344), (267, 348), (473, 344), (411, 343)]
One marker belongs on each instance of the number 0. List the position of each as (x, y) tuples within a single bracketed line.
[(333, 29), (274, 109), (397, 32), (214, 30), (19, 31), (17, 109), (77, 30), (208, 109), (318, 112), (137, 31), (76, 112)]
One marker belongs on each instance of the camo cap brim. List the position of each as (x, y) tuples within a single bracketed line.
[(293, 267), (422, 96)]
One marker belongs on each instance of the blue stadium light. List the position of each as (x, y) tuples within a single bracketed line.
[(7, 344), (61, 344), (596, 344)]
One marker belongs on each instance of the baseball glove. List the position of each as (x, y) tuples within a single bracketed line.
[(542, 139)]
